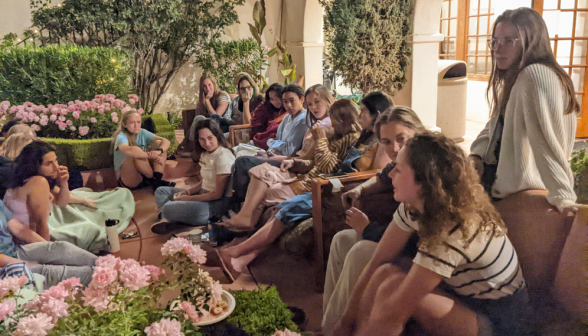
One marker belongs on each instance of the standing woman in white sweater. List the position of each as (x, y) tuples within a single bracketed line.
[(522, 153)]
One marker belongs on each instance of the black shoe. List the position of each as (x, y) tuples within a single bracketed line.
[(298, 317), (161, 183), (164, 227)]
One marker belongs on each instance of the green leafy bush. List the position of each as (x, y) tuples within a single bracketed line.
[(55, 74), (225, 59), (261, 312), (368, 42), (579, 166)]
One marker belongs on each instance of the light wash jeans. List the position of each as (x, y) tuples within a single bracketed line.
[(187, 212), (58, 261)]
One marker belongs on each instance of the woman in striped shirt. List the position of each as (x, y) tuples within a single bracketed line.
[(462, 242), (271, 185)]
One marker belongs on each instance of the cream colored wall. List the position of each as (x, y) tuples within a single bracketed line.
[(15, 16)]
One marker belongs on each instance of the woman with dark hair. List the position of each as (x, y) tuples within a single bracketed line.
[(267, 117), (462, 242), (243, 105), (198, 204), (367, 153)]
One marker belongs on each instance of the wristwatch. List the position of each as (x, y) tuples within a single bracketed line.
[(160, 150)]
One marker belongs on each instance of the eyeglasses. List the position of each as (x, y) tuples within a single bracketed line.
[(493, 44), (244, 89)]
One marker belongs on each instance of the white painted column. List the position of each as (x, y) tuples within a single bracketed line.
[(420, 91)]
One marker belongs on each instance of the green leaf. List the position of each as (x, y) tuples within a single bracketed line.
[(272, 52), (257, 14), (254, 33), (286, 72)]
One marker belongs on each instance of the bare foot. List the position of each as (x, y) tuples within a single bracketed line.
[(226, 265), (238, 222), (239, 264)]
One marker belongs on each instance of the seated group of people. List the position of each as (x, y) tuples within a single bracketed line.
[(443, 262)]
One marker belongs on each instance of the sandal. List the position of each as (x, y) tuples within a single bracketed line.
[(227, 268)]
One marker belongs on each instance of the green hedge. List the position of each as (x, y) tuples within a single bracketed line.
[(59, 74)]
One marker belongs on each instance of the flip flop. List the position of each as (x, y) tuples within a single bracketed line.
[(231, 228), (227, 268)]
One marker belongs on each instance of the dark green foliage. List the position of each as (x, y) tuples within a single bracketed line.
[(231, 58), (368, 42), (579, 166), (261, 312), (59, 74), (161, 35)]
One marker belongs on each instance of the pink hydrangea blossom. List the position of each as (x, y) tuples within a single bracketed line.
[(76, 115), (61, 118), (36, 127), (55, 309), (190, 311), (107, 261), (6, 309), (34, 325), (165, 327), (195, 253), (154, 272), (140, 111), (101, 111), (125, 109), (215, 64), (216, 292), (12, 284), (133, 97), (131, 101), (103, 276), (174, 246), (53, 117), (84, 130), (97, 298), (114, 119), (134, 276), (113, 114)]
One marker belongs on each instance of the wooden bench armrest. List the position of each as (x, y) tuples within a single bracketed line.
[(317, 214), (232, 132)]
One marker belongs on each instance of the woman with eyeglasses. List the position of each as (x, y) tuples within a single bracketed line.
[(522, 153), (529, 138)]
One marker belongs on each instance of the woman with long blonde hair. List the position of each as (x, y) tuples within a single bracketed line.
[(462, 243), (139, 155), (14, 144)]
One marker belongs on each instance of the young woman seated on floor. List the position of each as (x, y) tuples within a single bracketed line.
[(56, 261), (198, 204), (271, 185), (319, 100), (267, 117), (462, 242), (211, 101), (139, 155), (522, 153), (242, 106), (351, 249), (10, 149)]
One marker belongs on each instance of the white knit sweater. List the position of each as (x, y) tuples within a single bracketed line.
[(537, 139)]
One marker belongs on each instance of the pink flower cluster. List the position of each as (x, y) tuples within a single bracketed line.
[(71, 117), (52, 301), (111, 274), (175, 245), (11, 285), (190, 311), (165, 327), (34, 325)]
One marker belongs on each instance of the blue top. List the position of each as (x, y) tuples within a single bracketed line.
[(144, 139), (290, 135), (7, 246)]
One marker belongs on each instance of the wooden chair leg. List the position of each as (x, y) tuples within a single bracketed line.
[(317, 228)]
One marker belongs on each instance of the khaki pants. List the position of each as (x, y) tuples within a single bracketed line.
[(347, 259)]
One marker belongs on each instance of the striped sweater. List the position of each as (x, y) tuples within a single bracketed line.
[(327, 156), (537, 139)]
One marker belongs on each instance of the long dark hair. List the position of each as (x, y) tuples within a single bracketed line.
[(376, 103), (216, 131), (534, 38), (29, 161)]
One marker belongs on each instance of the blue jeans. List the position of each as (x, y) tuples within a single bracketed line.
[(187, 212), (295, 210)]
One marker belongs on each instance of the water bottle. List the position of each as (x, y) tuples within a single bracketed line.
[(112, 234), (99, 182)]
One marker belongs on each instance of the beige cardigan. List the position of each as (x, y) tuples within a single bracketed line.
[(537, 139)]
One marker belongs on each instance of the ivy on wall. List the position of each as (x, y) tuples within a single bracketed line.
[(368, 42)]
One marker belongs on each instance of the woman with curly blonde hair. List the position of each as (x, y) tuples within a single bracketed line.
[(462, 242)]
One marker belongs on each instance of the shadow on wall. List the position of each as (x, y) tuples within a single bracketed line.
[(183, 91)]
